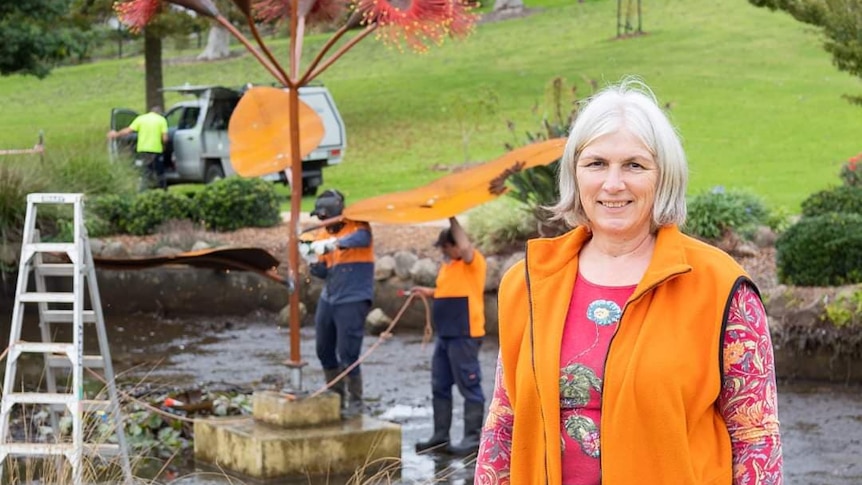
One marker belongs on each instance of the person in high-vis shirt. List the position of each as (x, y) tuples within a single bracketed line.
[(347, 268), (459, 322), (152, 131)]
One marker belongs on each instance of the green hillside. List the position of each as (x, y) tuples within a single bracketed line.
[(755, 97)]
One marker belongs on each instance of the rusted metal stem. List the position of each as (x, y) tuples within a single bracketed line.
[(295, 196), (256, 34), (279, 76)]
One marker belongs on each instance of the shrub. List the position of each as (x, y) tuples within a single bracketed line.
[(500, 225), (235, 202), (154, 207), (537, 187), (845, 198), (824, 250), (712, 213), (108, 214)]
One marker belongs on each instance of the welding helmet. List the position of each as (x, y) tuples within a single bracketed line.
[(329, 204)]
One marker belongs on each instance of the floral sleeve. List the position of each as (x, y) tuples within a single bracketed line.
[(495, 450), (748, 400)]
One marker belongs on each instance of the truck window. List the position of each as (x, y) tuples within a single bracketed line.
[(183, 118), (220, 114)]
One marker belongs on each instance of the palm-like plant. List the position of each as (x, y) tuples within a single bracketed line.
[(416, 23)]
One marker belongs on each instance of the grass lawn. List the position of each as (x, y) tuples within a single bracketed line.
[(754, 96)]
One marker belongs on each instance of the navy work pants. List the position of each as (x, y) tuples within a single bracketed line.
[(456, 362), (339, 331)]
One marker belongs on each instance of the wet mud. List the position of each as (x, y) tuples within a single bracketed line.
[(821, 424)]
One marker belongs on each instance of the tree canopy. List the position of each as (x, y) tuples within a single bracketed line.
[(35, 35), (841, 24)]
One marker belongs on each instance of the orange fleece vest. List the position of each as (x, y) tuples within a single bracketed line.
[(660, 424)]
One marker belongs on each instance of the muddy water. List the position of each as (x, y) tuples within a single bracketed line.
[(821, 425)]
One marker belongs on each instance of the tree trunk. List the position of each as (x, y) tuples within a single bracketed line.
[(153, 67), (508, 5), (218, 44)]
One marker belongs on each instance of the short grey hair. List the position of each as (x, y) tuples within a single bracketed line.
[(632, 105)]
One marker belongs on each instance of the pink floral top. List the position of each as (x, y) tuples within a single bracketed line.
[(747, 400)]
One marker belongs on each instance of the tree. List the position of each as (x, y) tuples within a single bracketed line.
[(35, 35), (627, 28), (841, 24)]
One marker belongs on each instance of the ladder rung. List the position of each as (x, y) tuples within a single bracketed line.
[(65, 247), (65, 316), (87, 406), (42, 449), (90, 362), (55, 269), (44, 347), (39, 398), (54, 198), (35, 297)]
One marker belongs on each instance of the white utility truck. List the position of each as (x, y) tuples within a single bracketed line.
[(198, 150)]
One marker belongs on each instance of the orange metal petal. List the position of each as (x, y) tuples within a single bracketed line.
[(259, 132), (455, 193)]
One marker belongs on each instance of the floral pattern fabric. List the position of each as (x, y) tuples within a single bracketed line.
[(747, 402)]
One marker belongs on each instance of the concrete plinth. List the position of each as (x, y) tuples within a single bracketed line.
[(262, 450)]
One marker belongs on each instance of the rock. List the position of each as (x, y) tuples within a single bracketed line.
[(764, 237), (115, 250), (200, 245), (284, 315), (492, 273), (746, 250), (9, 253), (404, 261), (424, 272), (384, 268), (96, 246), (377, 321), (168, 251), (140, 249)]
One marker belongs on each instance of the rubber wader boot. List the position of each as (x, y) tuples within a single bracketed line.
[(474, 413), (354, 397), (442, 422), (338, 387)]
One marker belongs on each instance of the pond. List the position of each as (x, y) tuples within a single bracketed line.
[(821, 424)]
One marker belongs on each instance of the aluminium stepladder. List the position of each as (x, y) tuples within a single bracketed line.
[(62, 308)]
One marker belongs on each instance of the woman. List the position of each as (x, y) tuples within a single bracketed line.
[(629, 352)]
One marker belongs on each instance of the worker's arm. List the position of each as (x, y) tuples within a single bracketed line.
[(116, 134), (462, 242)]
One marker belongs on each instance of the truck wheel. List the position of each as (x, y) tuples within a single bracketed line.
[(214, 172), (309, 190)]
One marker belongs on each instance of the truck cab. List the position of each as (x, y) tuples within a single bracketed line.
[(198, 149)]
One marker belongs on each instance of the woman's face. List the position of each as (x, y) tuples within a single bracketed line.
[(617, 178)]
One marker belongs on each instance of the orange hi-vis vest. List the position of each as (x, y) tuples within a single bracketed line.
[(459, 298), (660, 423)]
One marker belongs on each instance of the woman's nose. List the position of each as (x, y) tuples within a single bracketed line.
[(613, 180)]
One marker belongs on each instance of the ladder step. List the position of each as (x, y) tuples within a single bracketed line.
[(35, 297), (90, 362), (87, 406), (65, 316), (38, 398), (42, 449), (54, 198), (51, 247), (55, 269), (44, 347)]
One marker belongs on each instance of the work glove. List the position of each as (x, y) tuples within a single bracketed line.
[(312, 250)]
